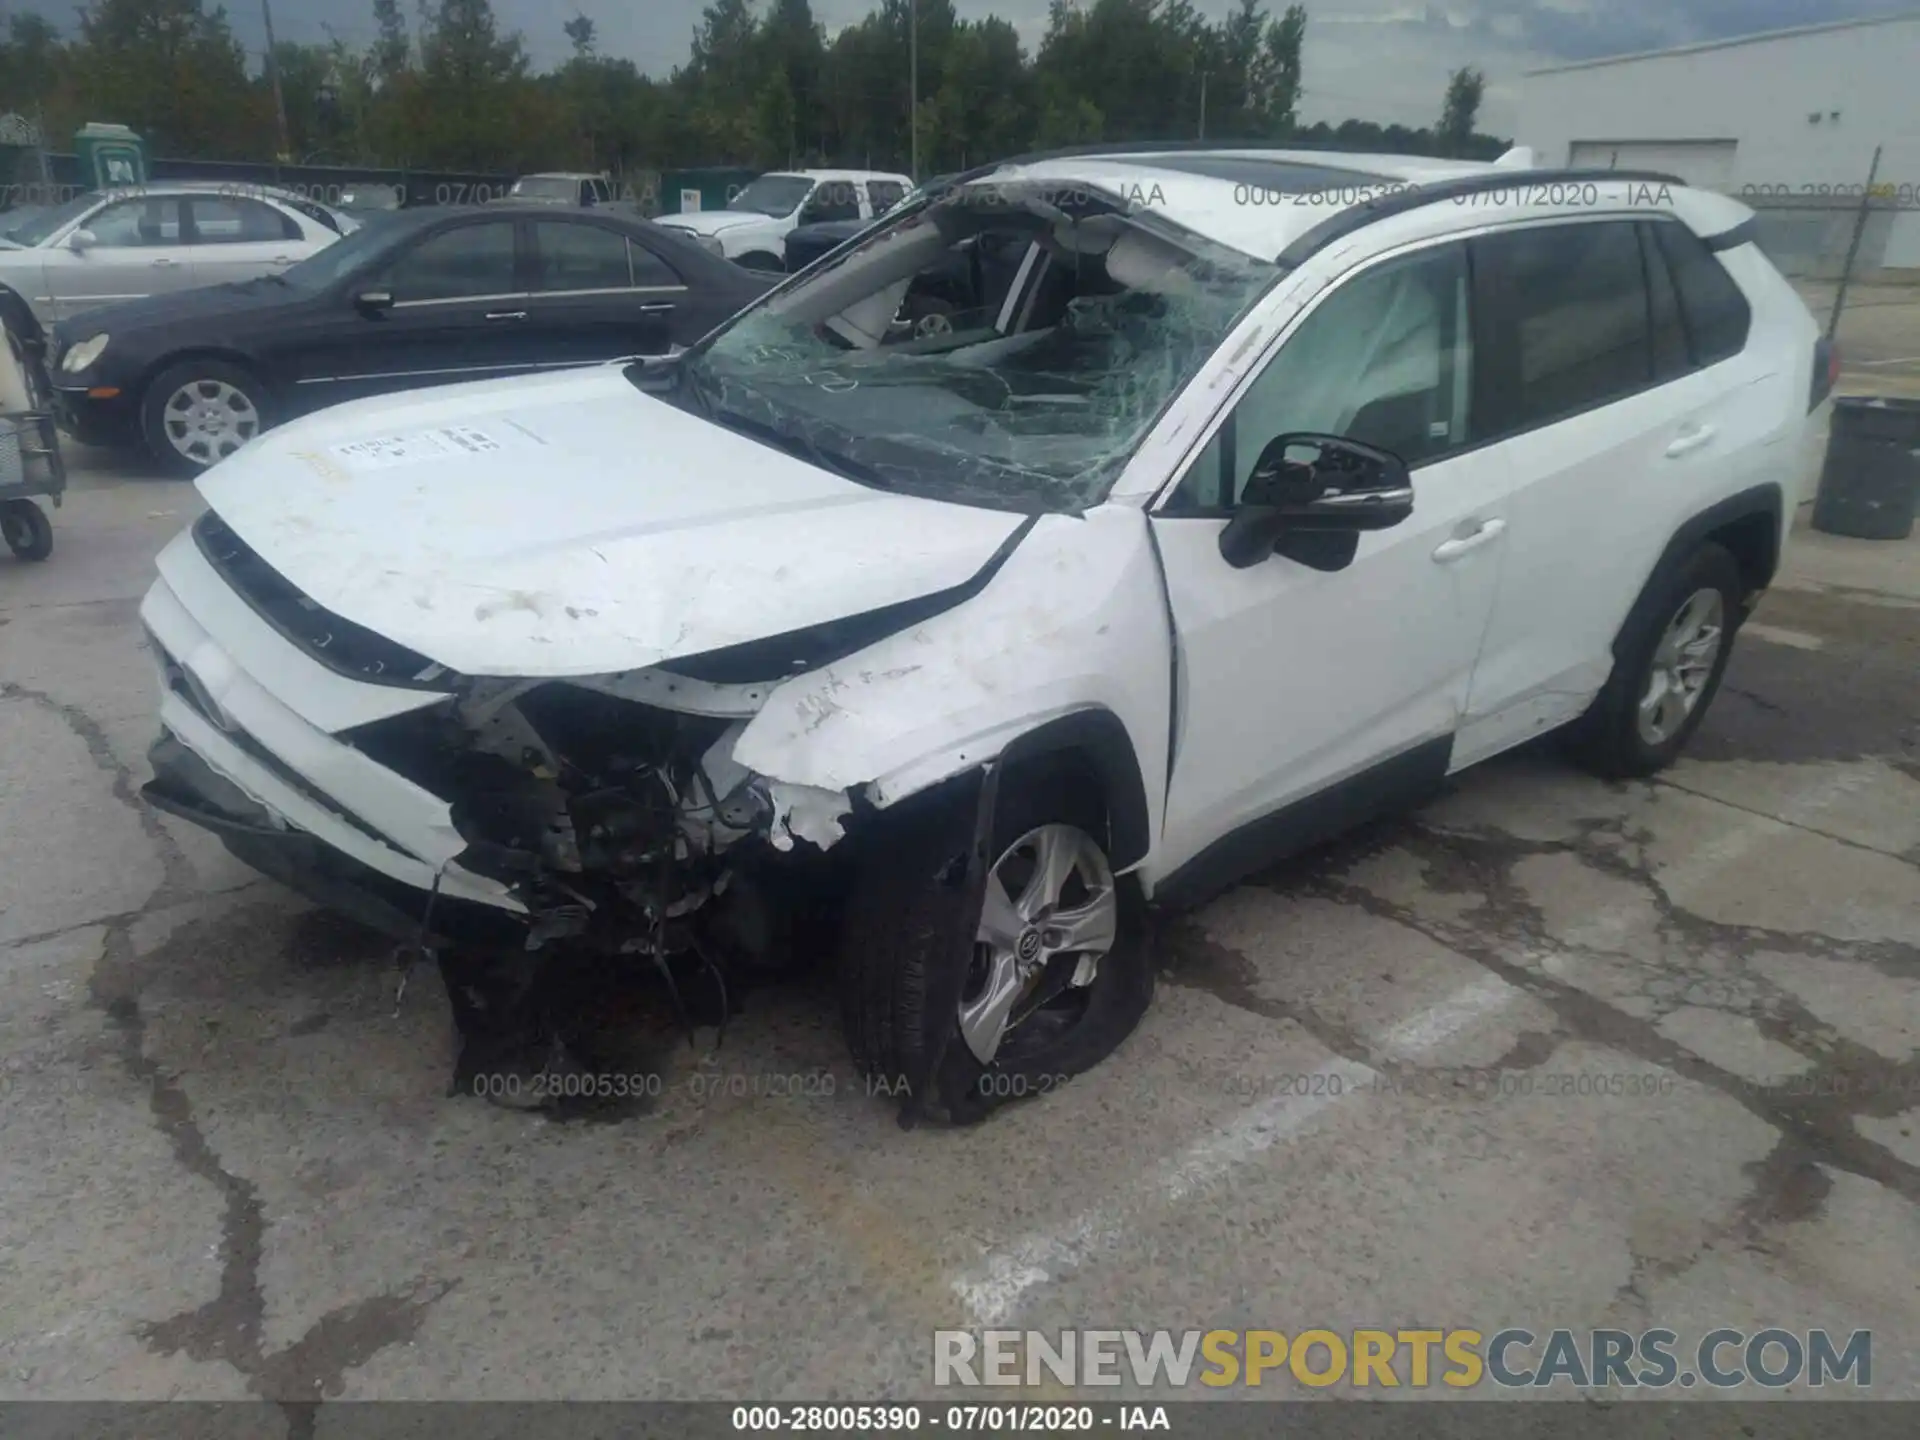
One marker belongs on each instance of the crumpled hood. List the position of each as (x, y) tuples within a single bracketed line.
[(570, 525), (711, 222)]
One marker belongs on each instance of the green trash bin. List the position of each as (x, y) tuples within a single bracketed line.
[(1870, 484)]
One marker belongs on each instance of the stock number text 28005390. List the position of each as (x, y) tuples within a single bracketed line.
[(1037, 1419)]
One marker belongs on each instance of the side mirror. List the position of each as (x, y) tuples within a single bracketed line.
[(1306, 484), (81, 241), (373, 302)]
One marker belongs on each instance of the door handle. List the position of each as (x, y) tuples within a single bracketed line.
[(163, 264), (281, 260), (1690, 439), (1453, 549), (662, 307), (506, 315)]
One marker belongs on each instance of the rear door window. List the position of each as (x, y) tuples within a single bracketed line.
[(1571, 311), (1716, 312), (579, 257), (233, 220), (650, 272)]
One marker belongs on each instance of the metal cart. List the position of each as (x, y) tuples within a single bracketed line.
[(30, 462), (30, 465)]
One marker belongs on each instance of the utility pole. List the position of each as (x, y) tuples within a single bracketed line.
[(1203, 105), (913, 89), (273, 74), (1853, 246)]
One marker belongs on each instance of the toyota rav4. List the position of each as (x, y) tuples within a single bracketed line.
[(1249, 494)]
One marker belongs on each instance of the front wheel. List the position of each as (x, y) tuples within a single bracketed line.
[(198, 412), (1667, 667), (1057, 975)]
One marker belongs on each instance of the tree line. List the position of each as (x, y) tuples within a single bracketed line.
[(763, 86)]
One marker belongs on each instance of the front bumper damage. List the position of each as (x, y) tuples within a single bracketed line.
[(185, 785), (505, 828)]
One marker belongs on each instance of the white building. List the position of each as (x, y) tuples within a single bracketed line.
[(1786, 121)]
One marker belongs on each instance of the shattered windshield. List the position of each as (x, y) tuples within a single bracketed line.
[(992, 349)]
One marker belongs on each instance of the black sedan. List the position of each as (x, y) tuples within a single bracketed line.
[(416, 297)]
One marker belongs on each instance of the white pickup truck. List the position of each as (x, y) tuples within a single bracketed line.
[(752, 230)]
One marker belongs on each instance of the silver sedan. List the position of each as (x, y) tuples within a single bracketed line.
[(110, 245)]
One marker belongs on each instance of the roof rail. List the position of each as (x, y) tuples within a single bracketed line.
[(1416, 196), (1181, 147)]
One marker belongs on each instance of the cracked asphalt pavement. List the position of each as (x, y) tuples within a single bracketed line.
[(1549, 1052)]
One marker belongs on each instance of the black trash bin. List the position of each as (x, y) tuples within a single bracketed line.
[(1870, 485)]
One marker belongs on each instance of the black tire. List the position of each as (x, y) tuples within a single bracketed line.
[(29, 533), (162, 388), (897, 941), (763, 261), (1607, 739)]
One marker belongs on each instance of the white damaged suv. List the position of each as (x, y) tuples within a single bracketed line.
[(1250, 493)]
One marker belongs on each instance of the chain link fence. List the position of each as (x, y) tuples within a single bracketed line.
[(1852, 250)]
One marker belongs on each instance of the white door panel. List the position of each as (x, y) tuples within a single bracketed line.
[(1599, 492), (1292, 679), (1581, 539)]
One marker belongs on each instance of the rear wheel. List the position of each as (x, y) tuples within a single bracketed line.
[(198, 412), (1667, 667), (1058, 972)]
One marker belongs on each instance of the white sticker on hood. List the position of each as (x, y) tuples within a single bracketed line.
[(439, 444)]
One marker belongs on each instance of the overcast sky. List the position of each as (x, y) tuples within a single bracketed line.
[(1373, 59)]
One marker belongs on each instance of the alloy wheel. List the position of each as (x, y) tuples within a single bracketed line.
[(207, 420), (1683, 662), (1050, 914)]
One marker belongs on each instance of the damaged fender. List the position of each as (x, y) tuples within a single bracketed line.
[(1075, 625)]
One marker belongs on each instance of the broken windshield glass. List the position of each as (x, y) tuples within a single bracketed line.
[(989, 348)]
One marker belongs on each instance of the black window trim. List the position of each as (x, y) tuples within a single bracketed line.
[(1217, 423), (1651, 239), (1653, 259)]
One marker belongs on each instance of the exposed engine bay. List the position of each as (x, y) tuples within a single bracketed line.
[(638, 846)]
